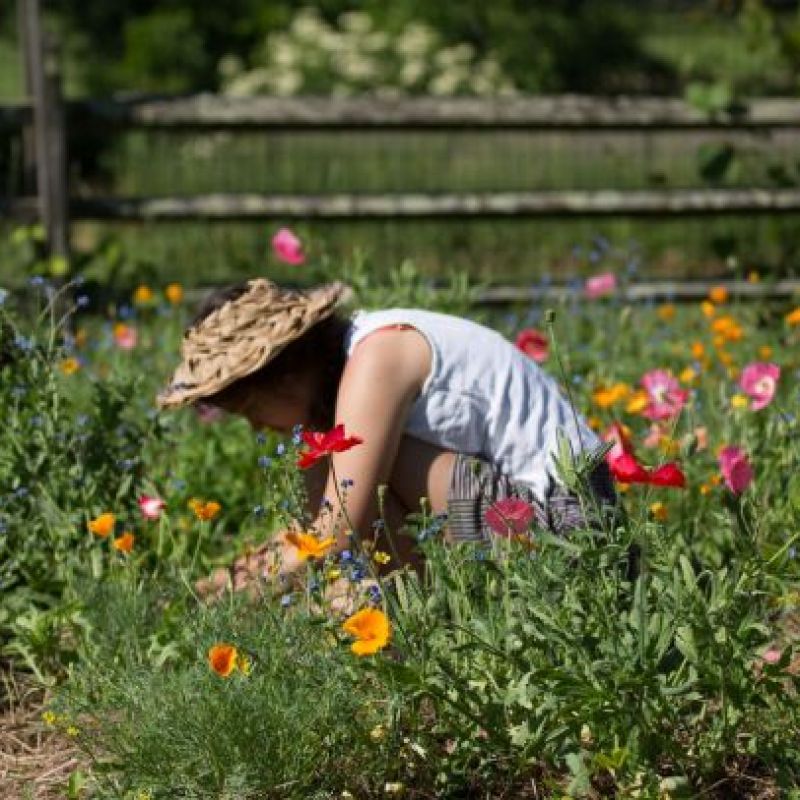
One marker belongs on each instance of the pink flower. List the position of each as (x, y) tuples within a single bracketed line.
[(509, 516), (759, 380), (151, 507), (618, 436), (287, 247), (735, 468), (600, 285), (666, 398), (207, 413), (125, 336), (534, 344), (653, 436), (771, 656)]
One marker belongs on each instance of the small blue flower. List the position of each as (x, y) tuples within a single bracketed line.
[(346, 556), (261, 437), (125, 312), (374, 595), (280, 449), (3, 296), (36, 280), (26, 345), (264, 462)]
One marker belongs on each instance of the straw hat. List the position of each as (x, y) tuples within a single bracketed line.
[(242, 335)]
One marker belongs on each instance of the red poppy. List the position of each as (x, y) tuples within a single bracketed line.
[(534, 344), (626, 468), (668, 475), (509, 516), (321, 444)]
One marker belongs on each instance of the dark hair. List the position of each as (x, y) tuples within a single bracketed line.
[(319, 351)]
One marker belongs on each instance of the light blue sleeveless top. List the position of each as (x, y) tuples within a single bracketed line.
[(484, 397)]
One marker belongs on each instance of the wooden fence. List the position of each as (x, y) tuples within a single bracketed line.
[(46, 121)]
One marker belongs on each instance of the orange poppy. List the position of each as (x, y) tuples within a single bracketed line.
[(124, 543), (174, 293), (793, 317), (309, 546), (371, 628), (718, 294), (223, 659), (205, 510), (103, 525)]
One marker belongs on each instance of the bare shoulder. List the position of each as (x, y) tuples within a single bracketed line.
[(402, 357)]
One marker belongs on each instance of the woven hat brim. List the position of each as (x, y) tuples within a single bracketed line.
[(243, 335)]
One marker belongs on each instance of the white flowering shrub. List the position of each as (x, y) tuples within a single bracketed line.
[(354, 57)]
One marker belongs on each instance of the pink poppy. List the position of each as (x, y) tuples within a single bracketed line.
[(534, 344), (664, 393), (287, 247), (759, 381), (125, 336), (600, 285), (208, 413), (509, 516), (620, 440), (151, 507), (735, 468)]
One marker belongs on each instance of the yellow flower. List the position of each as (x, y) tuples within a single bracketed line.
[(718, 295), (309, 546), (708, 308), (595, 423), (381, 557), (733, 372), (245, 664), (687, 375), (740, 401), (333, 574), (377, 733), (204, 509), (72, 731), (659, 511), (124, 543), (753, 277), (174, 293), (638, 402), (765, 352), (103, 525), (69, 366), (668, 445), (666, 312), (49, 718), (698, 350), (623, 488), (793, 317), (605, 397), (371, 628), (223, 659), (725, 357), (143, 295)]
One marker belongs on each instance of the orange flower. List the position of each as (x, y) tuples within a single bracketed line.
[(124, 543), (753, 277), (174, 293), (205, 509), (103, 525), (605, 397), (718, 295), (765, 352), (69, 366), (728, 328), (371, 628), (698, 351), (793, 317), (223, 659), (666, 313), (708, 308), (143, 295), (309, 546)]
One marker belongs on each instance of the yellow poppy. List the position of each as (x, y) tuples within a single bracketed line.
[(174, 293), (659, 511), (740, 401), (371, 628), (605, 397), (69, 366), (718, 295), (309, 546), (223, 659), (638, 402), (143, 295), (103, 525), (124, 543), (204, 509)]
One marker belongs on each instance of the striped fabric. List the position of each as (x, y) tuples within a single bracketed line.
[(475, 485)]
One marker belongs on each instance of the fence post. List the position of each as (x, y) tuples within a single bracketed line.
[(49, 130)]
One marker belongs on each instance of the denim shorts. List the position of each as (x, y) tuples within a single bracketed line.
[(476, 484)]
